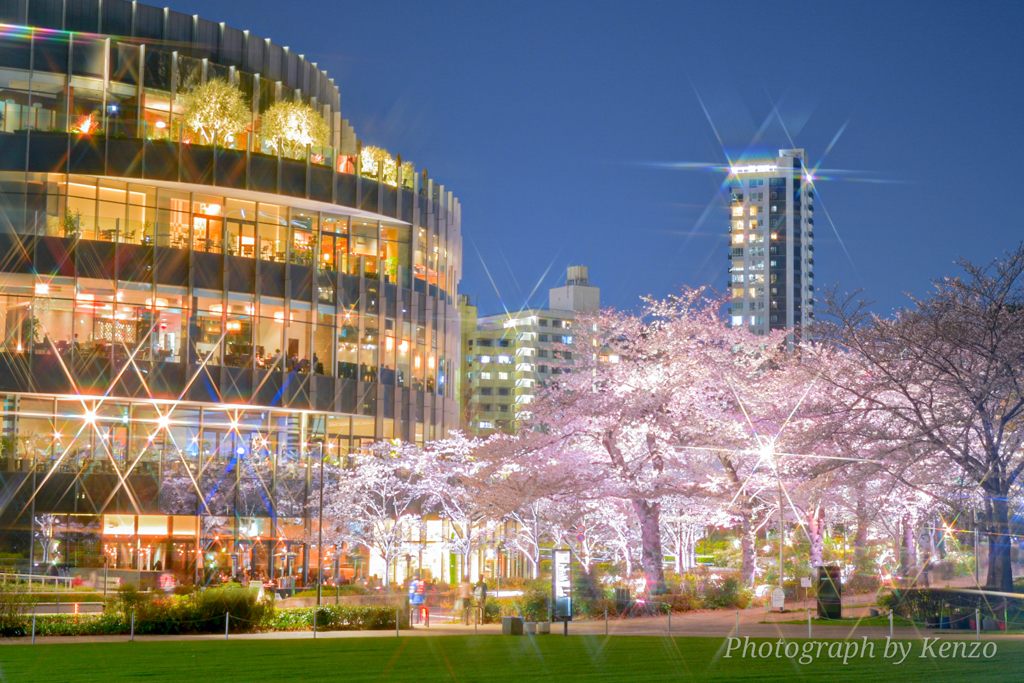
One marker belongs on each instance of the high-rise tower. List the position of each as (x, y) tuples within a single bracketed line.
[(771, 229)]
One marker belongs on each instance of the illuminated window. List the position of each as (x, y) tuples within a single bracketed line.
[(737, 293), (485, 375), (753, 211), (737, 211), (485, 359), (485, 424), (502, 375), (753, 225), (737, 320), (736, 239), (738, 225)]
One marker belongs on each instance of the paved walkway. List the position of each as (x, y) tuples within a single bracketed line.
[(706, 624)]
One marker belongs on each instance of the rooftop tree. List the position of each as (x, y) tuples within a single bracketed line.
[(292, 127), (216, 111)]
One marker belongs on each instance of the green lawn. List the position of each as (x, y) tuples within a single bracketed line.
[(468, 658)]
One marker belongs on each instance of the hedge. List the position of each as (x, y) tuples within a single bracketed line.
[(338, 618)]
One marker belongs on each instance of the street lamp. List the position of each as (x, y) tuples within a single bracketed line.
[(767, 451)]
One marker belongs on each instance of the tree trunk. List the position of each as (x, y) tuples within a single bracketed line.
[(1000, 571), (860, 537), (651, 556), (816, 534), (746, 547)]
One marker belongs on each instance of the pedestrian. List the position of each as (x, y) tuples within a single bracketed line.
[(480, 593), (465, 599)]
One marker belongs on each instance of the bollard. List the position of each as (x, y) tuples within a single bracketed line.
[(737, 622), (977, 624), (33, 629), (476, 624), (808, 624), (314, 623), (227, 617), (396, 622), (606, 621), (670, 620), (890, 624), (133, 627)]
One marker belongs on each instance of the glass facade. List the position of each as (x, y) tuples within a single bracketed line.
[(190, 335)]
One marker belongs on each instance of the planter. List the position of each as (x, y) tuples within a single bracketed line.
[(512, 626), (989, 624), (543, 627), (531, 628)]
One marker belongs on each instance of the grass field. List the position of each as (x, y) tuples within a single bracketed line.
[(470, 658)]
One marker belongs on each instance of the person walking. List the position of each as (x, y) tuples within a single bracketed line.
[(465, 600), (480, 594)]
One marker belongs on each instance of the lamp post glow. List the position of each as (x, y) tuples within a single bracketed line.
[(767, 451)]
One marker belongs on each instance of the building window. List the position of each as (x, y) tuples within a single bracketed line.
[(503, 343), (502, 409), (502, 375), (485, 359), (567, 339), (503, 391), (486, 391), (542, 353), (753, 212), (483, 342), (504, 360), (543, 337), (485, 375), (737, 211), (486, 424)]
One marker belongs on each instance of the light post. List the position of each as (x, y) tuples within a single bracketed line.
[(320, 532), (768, 453)]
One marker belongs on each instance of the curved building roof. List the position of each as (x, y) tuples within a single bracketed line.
[(136, 23)]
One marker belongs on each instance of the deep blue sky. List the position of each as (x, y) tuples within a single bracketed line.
[(549, 121)]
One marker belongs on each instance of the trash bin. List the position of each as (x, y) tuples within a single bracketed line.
[(511, 626), (621, 599), (830, 593)]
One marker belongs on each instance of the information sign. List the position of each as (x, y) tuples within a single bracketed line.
[(561, 585)]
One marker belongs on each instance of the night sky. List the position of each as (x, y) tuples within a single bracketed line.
[(589, 133)]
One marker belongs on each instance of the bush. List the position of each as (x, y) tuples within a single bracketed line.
[(919, 603), (730, 593), (13, 605), (338, 618), (199, 612), (862, 583), (533, 605)]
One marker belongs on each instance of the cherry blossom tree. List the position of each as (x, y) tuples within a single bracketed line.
[(374, 502), (942, 383)]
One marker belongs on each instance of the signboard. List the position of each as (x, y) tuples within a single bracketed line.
[(778, 598), (805, 581), (561, 585)]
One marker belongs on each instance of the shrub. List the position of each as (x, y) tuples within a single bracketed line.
[(862, 583), (729, 593), (13, 605), (338, 618)]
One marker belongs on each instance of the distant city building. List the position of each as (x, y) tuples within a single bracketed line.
[(506, 357), (771, 229)]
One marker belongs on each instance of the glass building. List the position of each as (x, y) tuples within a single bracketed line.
[(191, 335), (771, 252)]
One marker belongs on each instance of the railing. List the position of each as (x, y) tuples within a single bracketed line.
[(58, 581)]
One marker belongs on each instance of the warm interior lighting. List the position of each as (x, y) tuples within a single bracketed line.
[(42, 288), (163, 422), (90, 417), (234, 326), (160, 124)]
